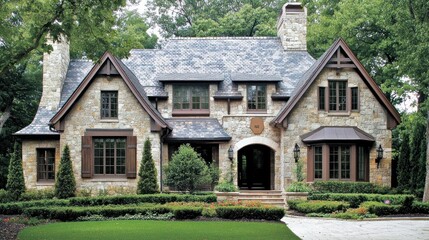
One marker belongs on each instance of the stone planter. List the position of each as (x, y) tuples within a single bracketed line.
[(294, 196), (227, 196)]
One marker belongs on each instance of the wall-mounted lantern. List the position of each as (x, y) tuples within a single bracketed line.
[(379, 155), (296, 152), (230, 153)]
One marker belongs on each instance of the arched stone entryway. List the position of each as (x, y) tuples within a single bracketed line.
[(255, 167)]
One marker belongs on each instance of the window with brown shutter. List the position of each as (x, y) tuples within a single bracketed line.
[(109, 153)]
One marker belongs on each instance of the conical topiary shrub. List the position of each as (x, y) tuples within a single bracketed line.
[(65, 184), (147, 183), (15, 178)]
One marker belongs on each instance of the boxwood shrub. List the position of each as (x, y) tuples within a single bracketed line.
[(355, 199), (273, 213), (348, 187), (18, 207), (318, 206), (420, 207), (73, 213), (135, 199), (380, 209)]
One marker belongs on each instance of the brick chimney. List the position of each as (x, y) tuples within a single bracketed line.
[(55, 65), (292, 27)]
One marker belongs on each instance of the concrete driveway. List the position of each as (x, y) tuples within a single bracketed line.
[(389, 228)]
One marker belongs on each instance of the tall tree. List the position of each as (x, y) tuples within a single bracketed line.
[(65, 183)]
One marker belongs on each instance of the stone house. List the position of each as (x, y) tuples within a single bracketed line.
[(248, 104)]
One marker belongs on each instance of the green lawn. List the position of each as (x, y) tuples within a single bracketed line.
[(137, 229)]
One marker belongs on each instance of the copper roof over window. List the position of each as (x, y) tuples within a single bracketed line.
[(333, 134)]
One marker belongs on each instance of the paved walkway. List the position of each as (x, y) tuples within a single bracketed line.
[(321, 228)]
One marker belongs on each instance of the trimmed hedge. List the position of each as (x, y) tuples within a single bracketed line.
[(317, 206), (18, 207), (379, 208), (355, 199), (72, 213), (135, 199), (274, 214), (420, 207), (348, 187)]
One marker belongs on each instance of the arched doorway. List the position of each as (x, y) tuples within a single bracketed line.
[(255, 164)]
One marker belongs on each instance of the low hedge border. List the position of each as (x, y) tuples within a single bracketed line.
[(136, 199), (380, 209), (274, 214), (317, 206), (348, 187), (18, 207), (355, 199)]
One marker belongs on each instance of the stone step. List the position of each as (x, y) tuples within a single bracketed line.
[(261, 191)]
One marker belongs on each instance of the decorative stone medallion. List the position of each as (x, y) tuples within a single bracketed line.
[(257, 125)]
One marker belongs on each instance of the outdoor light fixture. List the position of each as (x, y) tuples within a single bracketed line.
[(296, 152), (230, 153), (379, 155)]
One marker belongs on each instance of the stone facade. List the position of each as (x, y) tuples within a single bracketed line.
[(85, 114), (371, 118)]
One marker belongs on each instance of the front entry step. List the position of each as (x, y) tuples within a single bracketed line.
[(268, 197)]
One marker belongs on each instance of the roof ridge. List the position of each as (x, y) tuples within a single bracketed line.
[(223, 38)]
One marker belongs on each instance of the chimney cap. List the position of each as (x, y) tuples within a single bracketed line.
[(293, 7)]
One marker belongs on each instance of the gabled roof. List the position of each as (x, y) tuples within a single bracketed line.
[(327, 134), (130, 80), (312, 73)]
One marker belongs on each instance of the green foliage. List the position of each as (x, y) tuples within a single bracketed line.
[(5, 196), (380, 209), (15, 178), (65, 184), (299, 171), (404, 163), (420, 207), (317, 206), (355, 199), (139, 216), (274, 214), (226, 187), (13, 208), (136, 199), (214, 173), (187, 212), (37, 194), (298, 187), (418, 155), (147, 183), (187, 170), (348, 187)]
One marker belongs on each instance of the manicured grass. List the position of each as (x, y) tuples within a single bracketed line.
[(135, 229)]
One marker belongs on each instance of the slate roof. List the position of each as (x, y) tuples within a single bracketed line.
[(255, 58), (196, 129), (325, 134), (39, 126)]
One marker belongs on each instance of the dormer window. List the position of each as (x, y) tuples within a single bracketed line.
[(109, 104), (191, 99), (256, 98)]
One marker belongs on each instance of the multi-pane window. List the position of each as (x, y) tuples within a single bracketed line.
[(191, 97), (354, 98), (46, 164), (256, 97), (339, 162), (109, 104), (337, 95), (362, 163), (318, 162), (109, 156)]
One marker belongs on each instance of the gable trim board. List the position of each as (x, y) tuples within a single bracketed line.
[(313, 72), (106, 61)]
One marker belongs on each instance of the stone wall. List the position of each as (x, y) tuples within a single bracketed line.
[(371, 118), (237, 125), (292, 28), (55, 66), (85, 114), (29, 161)]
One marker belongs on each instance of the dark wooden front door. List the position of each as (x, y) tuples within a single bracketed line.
[(254, 167)]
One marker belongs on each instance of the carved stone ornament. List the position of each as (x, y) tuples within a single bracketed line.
[(257, 125)]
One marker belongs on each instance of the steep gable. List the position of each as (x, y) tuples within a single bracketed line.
[(110, 65), (338, 56)]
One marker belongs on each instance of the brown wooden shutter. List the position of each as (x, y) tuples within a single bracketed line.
[(87, 157), (131, 157)]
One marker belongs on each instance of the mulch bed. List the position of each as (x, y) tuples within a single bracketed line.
[(9, 231)]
